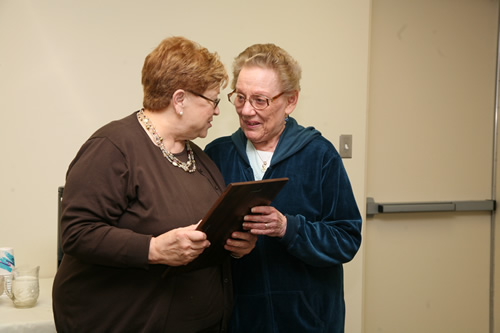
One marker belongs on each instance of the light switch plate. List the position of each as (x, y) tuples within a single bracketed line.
[(345, 146)]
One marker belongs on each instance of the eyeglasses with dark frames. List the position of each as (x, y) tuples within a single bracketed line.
[(215, 101), (258, 102)]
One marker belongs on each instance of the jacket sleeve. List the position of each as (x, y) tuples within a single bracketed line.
[(323, 220), (95, 196)]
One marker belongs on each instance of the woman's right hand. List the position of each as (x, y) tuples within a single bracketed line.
[(177, 247)]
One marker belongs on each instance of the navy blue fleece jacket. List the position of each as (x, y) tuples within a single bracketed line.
[(295, 283)]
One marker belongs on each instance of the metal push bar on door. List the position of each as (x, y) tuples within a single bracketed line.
[(373, 207)]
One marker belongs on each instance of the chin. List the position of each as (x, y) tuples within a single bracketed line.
[(251, 135)]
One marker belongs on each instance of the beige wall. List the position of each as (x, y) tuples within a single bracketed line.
[(68, 67)]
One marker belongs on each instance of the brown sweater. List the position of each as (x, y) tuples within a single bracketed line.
[(120, 191)]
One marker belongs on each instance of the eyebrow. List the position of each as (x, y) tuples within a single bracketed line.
[(258, 94)]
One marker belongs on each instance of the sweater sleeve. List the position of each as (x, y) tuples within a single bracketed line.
[(95, 196), (325, 229)]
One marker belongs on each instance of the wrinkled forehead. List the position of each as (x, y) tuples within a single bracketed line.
[(258, 80)]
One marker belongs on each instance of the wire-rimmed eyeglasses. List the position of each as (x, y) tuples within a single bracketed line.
[(215, 101)]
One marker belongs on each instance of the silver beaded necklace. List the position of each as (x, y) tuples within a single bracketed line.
[(189, 166)]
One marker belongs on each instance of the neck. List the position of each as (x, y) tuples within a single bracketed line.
[(163, 123), (266, 145)]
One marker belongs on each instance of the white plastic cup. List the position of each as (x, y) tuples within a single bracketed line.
[(7, 265), (7, 262)]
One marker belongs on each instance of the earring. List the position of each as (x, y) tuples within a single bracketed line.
[(181, 113)]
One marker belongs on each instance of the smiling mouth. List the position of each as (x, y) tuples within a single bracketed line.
[(252, 123)]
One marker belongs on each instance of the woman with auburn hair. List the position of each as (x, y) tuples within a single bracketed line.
[(133, 196)]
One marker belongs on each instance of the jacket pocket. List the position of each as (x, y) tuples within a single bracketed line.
[(294, 313), (283, 312), (251, 314)]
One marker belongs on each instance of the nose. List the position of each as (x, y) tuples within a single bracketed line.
[(216, 110), (247, 109)]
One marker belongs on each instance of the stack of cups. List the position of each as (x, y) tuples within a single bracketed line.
[(7, 264)]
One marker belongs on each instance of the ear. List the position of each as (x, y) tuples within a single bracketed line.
[(178, 99), (292, 102)]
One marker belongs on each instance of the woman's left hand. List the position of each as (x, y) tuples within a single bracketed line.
[(265, 220), (241, 243)]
